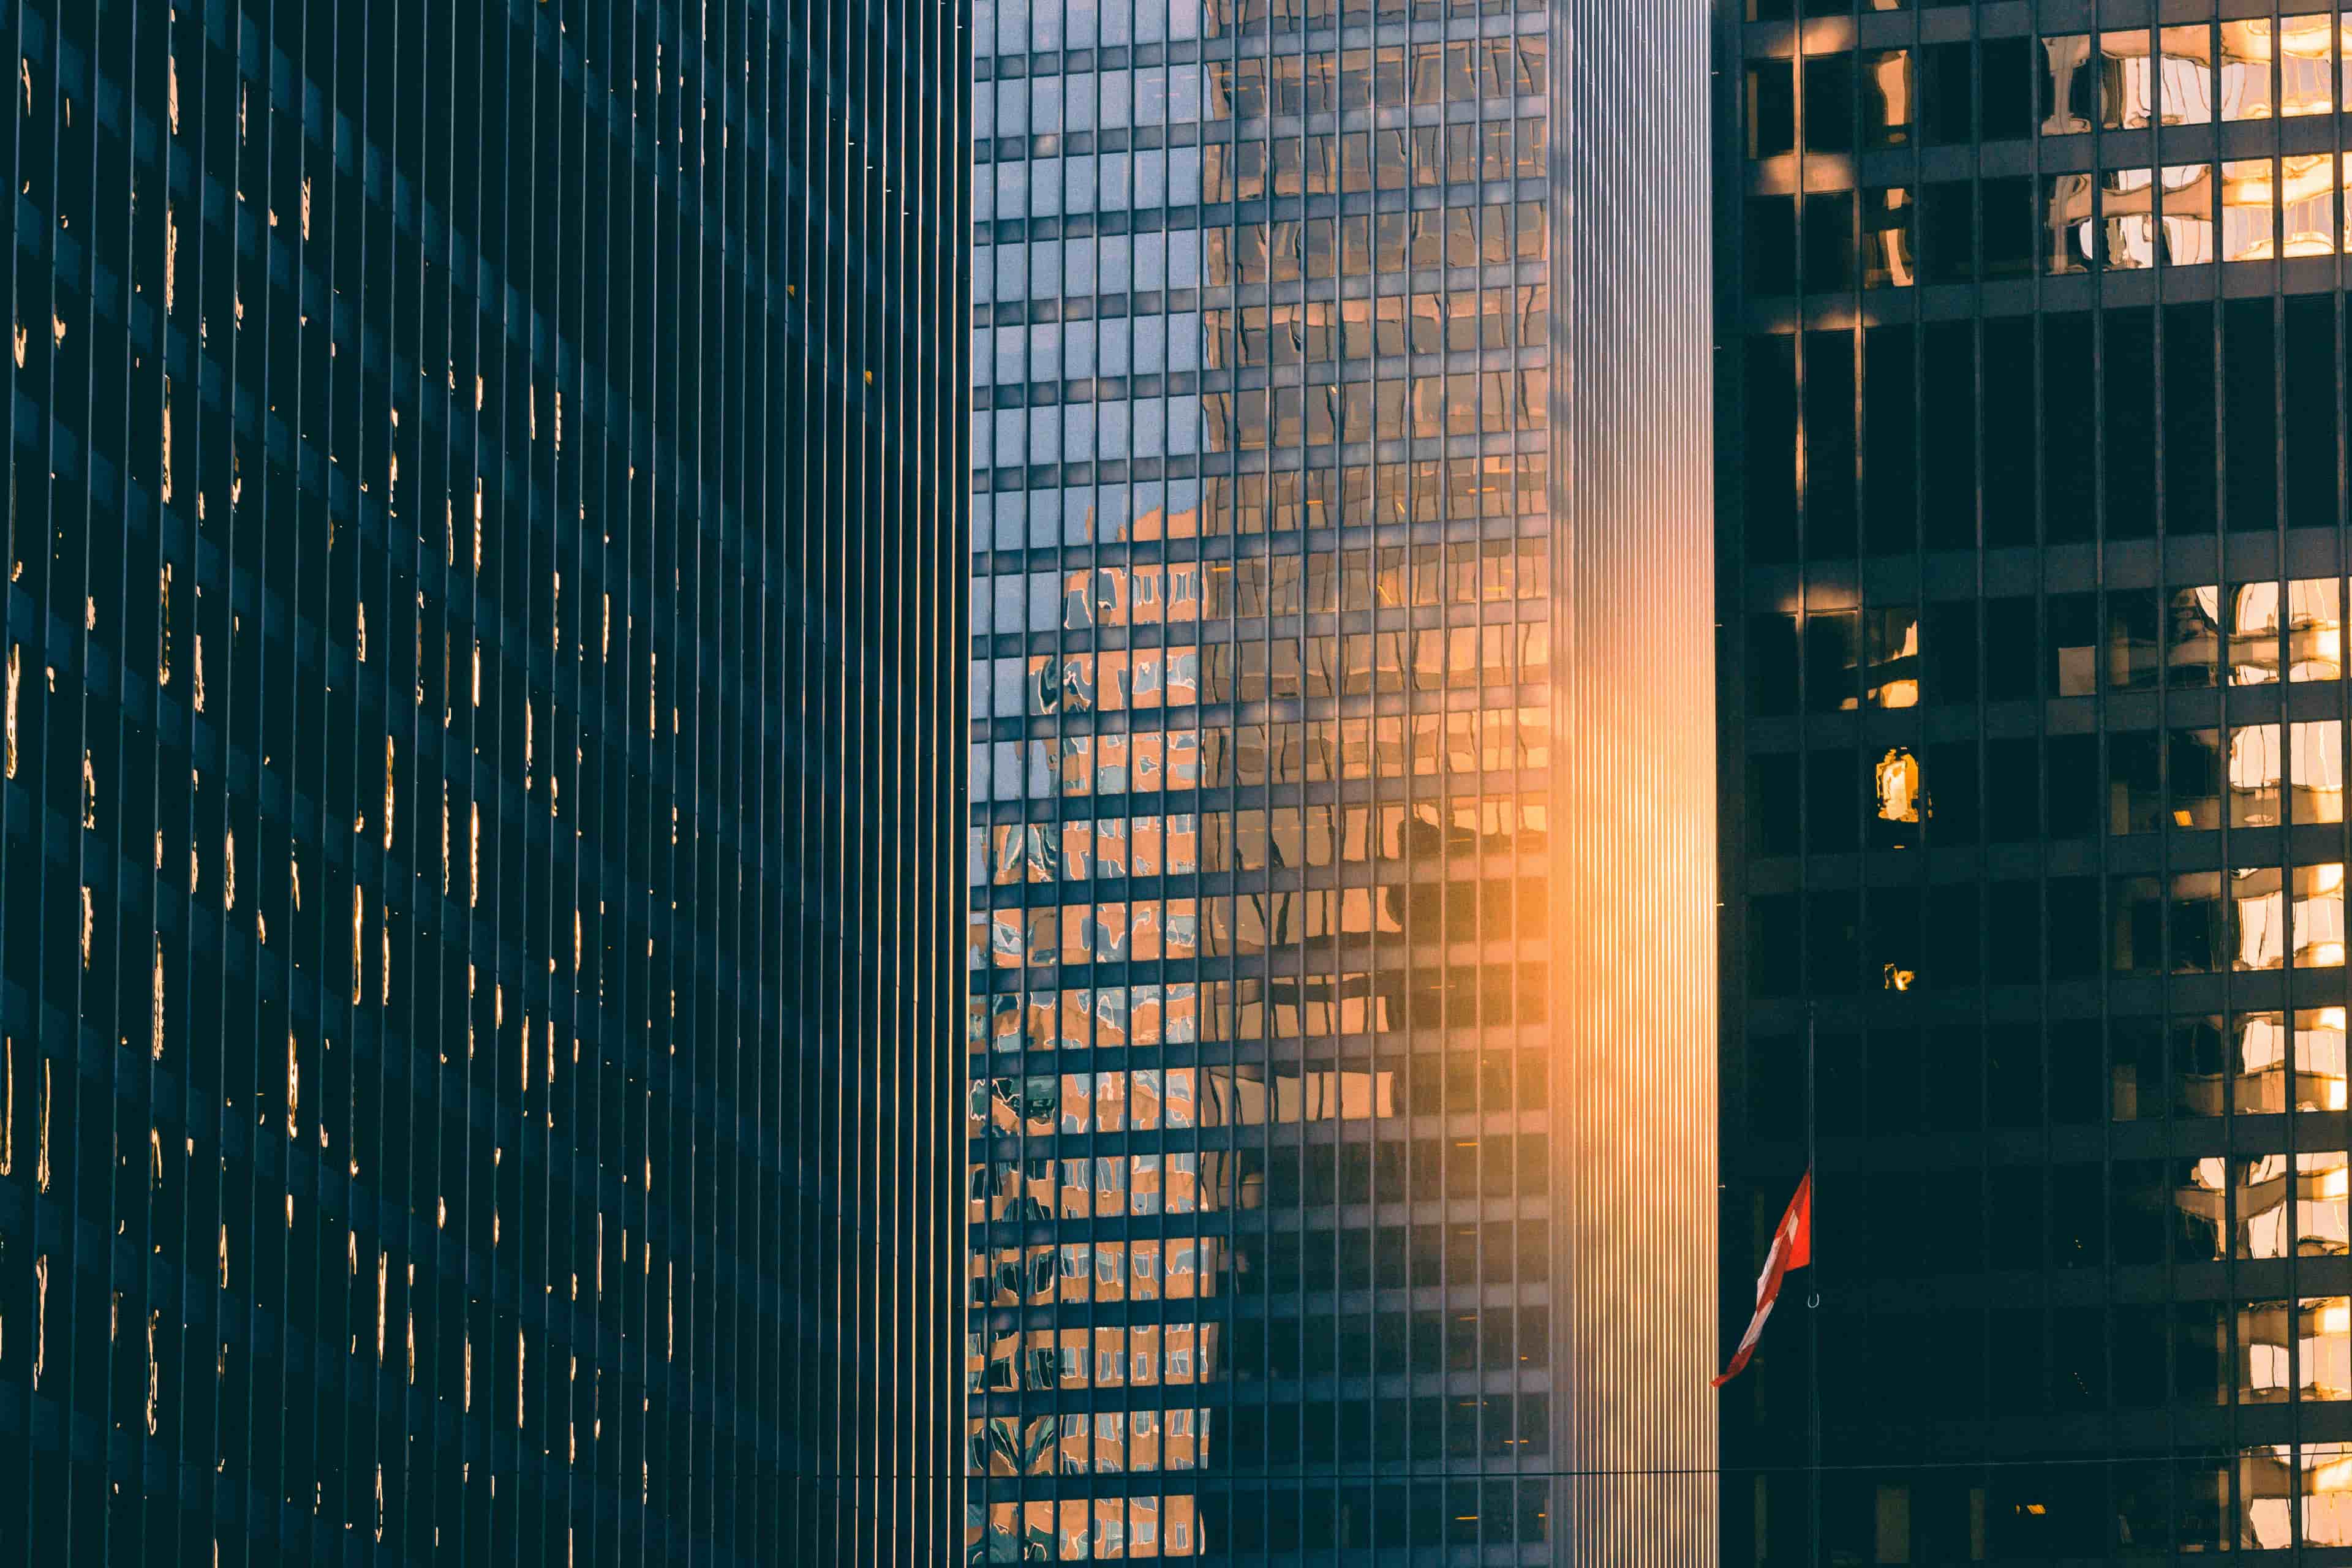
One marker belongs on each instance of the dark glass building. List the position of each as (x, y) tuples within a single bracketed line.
[(2033, 586), (1341, 929), (477, 844)]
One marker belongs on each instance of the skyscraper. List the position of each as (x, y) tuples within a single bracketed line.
[(1341, 935), (477, 847), (2035, 569)]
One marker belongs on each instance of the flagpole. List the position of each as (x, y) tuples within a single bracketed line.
[(1812, 1314)]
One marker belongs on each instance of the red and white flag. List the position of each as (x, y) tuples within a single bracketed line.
[(1793, 1248)]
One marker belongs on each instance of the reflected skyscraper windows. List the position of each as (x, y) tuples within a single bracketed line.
[(1268, 716)]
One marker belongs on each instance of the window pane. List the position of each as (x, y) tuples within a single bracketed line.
[(2127, 218), (2316, 770), (2254, 634), (2307, 186), (2315, 629), (1829, 103), (2192, 636), (1886, 251), (2127, 85), (1885, 79), (2185, 209), (2067, 84), (2193, 778), (2255, 771), (2247, 51), (2185, 75), (2070, 241)]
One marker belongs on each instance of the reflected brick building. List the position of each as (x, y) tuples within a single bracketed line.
[(472, 925), (2034, 587)]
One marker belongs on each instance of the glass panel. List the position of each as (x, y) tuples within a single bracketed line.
[(2199, 1202), (2072, 632), (2134, 642), (2201, 1520), (2007, 70), (1829, 261), (2200, 1066), (2315, 772), (2254, 634), (2137, 1088), (1892, 678), (1885, 76), (2134, 766), (1947, 231), (2199, 932), (2011, 237), (2319, 1062), (2127, 218), (2343, 184), (2321, 1203), (2256, 769), (2266, 1485), (2307, 196), (2072, 240), (2126, 81), (2248, 199), (2192, 636), (1829, 83), (2325, 1470), (1886, 253), (2324, 1371), (2319, 893), (2258, 1063), (1895, 785), (2302, 908), (2187, 206), (2266, 1335), (1830, 661), (2247, 51), (2260, 1201), (2306, 65), (2067, 84), (2193, 777), (2185, 75), (2315, 628), (2344, 58)]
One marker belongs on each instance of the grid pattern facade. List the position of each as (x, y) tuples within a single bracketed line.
[(2034, 586), (471, 1084), (1263, 615)]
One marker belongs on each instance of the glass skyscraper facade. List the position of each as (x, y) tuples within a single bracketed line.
[(2033, 591), (477, 895), (1277, 1088)]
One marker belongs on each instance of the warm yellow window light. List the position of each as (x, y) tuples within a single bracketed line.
[(1897, 776)]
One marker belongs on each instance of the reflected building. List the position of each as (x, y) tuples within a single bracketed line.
[(2035, 583), (477, 821), (1339, 941)]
